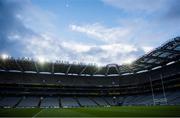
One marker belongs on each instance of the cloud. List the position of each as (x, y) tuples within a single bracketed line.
[(114, 53), (153, 9), (27, 30), (77, 52), (160, 17), (148, 23), (117, 48), (131, 38), (101, 32), (11, 27), (77, 47), (173, 10), (136, 5), (23, 37), (127, 32)]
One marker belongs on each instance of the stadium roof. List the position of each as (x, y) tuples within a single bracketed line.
[(164, 55)]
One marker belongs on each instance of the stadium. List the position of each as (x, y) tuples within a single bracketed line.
[(150, 84), (89, 58)]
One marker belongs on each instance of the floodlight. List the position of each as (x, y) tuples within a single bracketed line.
[(41, 60), (129, 61), (4, 56)]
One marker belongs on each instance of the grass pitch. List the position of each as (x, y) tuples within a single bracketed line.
[(125, 111)]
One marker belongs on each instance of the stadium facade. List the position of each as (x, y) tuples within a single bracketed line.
[(153, 79)]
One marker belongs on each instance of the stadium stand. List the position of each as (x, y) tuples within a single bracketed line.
[(100, 101), (29, 102), (85, 101), (9, 101), (111, 100), (50, 102), (153, 79), (69, 102), (173, 98)]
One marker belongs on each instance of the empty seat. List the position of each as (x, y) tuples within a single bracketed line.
[(85, 101), (29, 102), (100, 101), (111, 100), (9, 101), (50, 102), (69, 102)]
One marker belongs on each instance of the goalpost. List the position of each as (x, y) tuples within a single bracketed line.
[(163, 99)]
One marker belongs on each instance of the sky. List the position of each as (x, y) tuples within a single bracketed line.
[(88, 31)]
